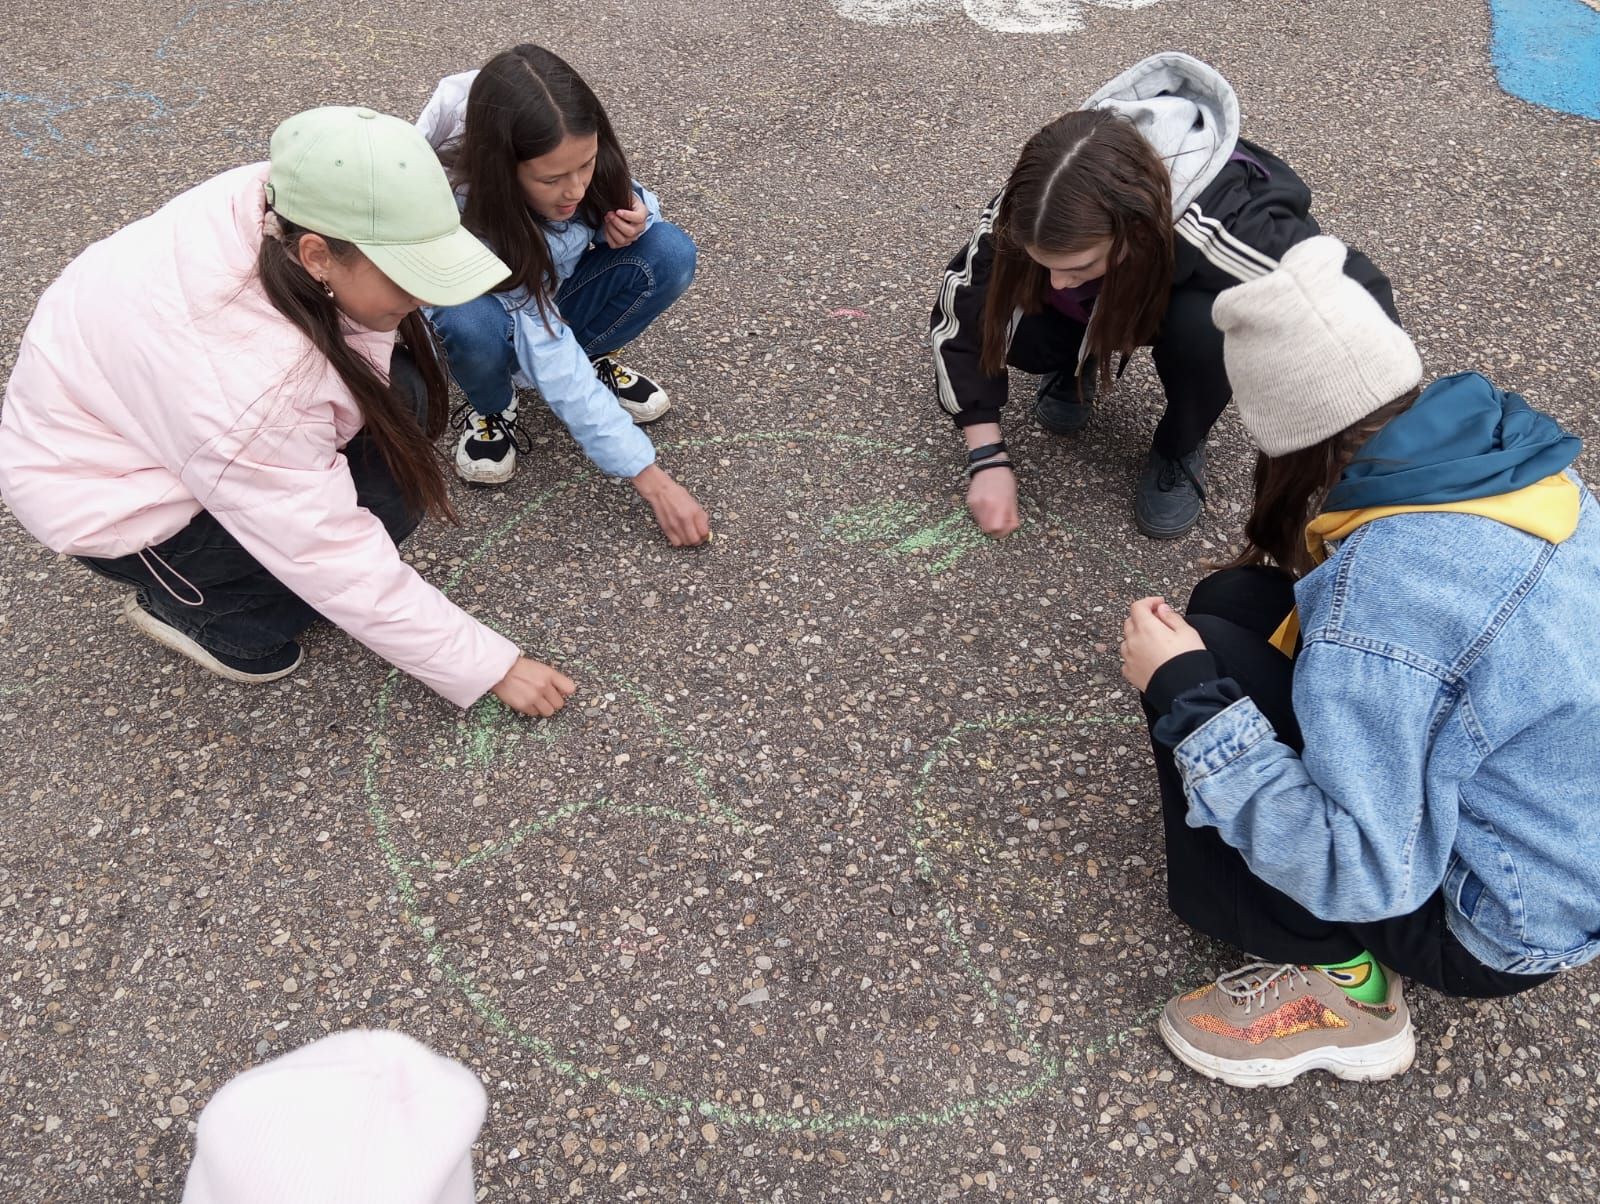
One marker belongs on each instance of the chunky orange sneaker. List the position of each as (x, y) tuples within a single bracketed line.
[(1265, 1025)]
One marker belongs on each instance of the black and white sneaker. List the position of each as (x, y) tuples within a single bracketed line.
[(644, 400), (251, 671), (487, 451)]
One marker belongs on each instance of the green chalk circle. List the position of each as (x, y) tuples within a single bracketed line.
[(474, 739)]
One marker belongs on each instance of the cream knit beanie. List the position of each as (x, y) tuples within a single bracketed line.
[(1308, 350), (361, 1117)]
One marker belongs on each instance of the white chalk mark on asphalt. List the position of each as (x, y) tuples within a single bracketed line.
[(998, 16)]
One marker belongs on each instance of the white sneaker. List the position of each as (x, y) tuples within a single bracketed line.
[(486, 453), (644, 400)]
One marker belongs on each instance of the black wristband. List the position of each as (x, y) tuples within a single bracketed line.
[(984, 452), (974, 469)]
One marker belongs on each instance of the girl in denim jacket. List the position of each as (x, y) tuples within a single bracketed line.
[(543, 180), (1374, 732)]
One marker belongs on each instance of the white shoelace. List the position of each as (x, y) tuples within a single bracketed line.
[(1249, 985)]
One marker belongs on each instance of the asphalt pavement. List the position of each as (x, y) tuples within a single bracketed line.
[(841, 877)]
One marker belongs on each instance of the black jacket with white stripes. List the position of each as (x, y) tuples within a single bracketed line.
[(1234, 231)]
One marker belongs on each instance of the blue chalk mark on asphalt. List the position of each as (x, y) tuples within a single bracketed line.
[(39, 124), (31, 117), (200, 6), (1548, 52)]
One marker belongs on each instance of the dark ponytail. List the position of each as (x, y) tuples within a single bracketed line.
[(407, 448)]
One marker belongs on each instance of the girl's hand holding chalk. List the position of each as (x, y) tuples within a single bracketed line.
[(681, 519), (623, 226), (534, 688)]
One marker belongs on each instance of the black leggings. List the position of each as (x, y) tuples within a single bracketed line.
[(1210, 887), (1188, 356)]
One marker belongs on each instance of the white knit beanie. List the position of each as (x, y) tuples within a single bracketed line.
[(1309, 351), (361, 1117)]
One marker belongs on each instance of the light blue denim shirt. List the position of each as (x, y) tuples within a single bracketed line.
[(550, 359), (1448, 690)]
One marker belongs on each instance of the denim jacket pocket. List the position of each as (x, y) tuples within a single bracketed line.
[(1468, 892)]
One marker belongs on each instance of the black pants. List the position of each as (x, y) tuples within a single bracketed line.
[(1188, 355), (1210, 887), (235, 606)]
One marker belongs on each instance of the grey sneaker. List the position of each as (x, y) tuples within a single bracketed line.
[(1170, 494), (1265, 1025), (1057, 406)]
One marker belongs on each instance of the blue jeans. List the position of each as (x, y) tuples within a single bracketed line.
[(609, 299)]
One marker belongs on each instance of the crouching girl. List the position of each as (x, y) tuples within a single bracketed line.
[(1374, 733), (229, 407), (544, 181)]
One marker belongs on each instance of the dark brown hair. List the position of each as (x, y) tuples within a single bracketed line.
[(387, 416), (1290, 489), (524, 103), (1086, 177)]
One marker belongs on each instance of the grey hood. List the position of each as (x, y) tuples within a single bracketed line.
[(1185, 109)]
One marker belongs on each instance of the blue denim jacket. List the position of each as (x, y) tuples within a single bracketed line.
[(1448, 690)]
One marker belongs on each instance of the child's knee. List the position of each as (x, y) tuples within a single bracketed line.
[(475, 328), (673, 257), (1228, 592)]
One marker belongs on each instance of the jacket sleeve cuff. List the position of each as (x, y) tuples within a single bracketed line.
[(1183, 672), (496, 660)]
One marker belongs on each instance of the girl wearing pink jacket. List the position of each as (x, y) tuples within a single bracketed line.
[(230, 406)]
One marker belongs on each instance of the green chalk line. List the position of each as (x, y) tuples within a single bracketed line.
[(1049, 1067), (27, 687)]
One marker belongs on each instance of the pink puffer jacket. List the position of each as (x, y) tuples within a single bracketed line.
[(156, 379)]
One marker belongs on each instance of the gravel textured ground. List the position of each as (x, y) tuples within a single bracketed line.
[(841, 877)]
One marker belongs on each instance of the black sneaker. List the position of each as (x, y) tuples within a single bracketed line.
[(1057, 405), (1170, 494), (644, 400), (234, 668), (486, 454)]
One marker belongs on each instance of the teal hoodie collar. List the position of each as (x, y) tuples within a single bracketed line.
[(1462, 438)]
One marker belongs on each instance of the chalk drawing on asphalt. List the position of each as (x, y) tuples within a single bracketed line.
[(487, 733), (41, 122), (998, 16), (444, 877), (904, 529), (1548, 52)]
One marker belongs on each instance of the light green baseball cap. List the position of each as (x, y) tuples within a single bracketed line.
[(373, 180)]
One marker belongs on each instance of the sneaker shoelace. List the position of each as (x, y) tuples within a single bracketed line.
[(612, 374), (1173, 471), (1248, 985), (493, 426)]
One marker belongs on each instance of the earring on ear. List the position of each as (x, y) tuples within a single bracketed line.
[(327, 288)]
